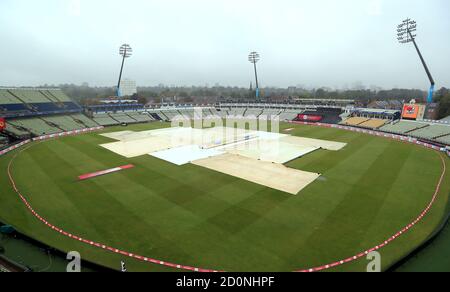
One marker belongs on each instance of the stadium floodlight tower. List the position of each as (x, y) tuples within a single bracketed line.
[(254, 57), (125, 51), (406, 33)]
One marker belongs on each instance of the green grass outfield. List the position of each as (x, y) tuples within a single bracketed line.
[(193, 216)]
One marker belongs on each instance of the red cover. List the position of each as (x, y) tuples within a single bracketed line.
[(104, 172), (309, 118), (2, 124)]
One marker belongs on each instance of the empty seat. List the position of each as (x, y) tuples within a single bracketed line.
[(105, 120), (444, 140), (373, 123), (355, 121), (123, 118), (431, 132), (36, 126), (87, 122), (403, 127), (64, 122)]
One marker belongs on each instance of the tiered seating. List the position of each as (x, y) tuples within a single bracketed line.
[(344, 116), (253, 112), (432, 132), (64, 122), (289, 115), (271, 112), (36, 126), (50, 96), (3, 140), (88, 123), (58, 94), (141, 116), (71, 106), (223, 113), (445, 140), (123, 118), (35, 112), (46, 107), (60, 98), (355, 121), (156, 115), (30, 101), (18, 132), (9, 103), (30, 96), (171, 114), (160, 115), (238, 112), (8, 98), (105, 120), (403, 127), (186, 113), (207, 112), (373, 123)]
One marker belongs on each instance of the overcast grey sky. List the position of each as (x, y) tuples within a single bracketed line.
[(331, 43)]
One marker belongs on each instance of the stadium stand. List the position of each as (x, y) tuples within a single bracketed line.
[(3, 141), (17, 131), (59, 95), (238, 112), (105, 120), (65, 123), (208, 112), (355, 121), (383, 120), (9, 104), (444, 140), (253, 112), (221, 112), (29, 96), (403, 127), (8, 98), (123, 118), (322, 115), (157, 115), (431, 132), (345, 115), (271, 112), (141, 116), (50, 96), (374, 123), (171, 114), (82, 119), (32, 102), (289, 115), (34, 112), (36, 126), (186, 113)]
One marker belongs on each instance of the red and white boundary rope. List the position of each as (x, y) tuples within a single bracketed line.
[(195, 269), (392, 238)]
